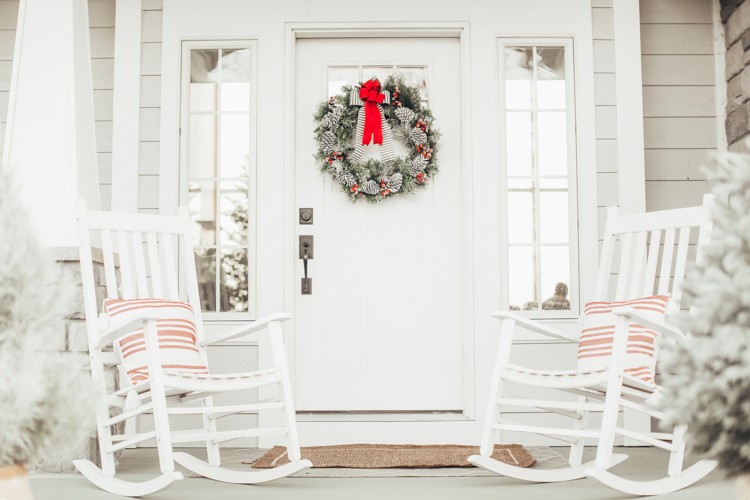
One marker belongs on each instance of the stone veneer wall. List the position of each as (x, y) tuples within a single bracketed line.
[(73, 340), (735, 15)]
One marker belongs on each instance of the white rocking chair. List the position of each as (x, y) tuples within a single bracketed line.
[(647, 265), (151, 256)]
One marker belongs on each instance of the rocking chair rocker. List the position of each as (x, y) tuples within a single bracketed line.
[(159, 350), (616, 355)]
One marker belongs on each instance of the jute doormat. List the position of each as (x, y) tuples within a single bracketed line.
[(386, 456)]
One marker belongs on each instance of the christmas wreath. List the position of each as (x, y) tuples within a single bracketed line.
[(371, 113)]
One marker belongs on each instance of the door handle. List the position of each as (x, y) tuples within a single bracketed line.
[(306, 247)]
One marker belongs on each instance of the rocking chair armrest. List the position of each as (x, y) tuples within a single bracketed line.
[(119, 329), (247, 329), (534, 326), (659, 326)]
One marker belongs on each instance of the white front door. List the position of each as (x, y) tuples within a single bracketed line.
[(382, 329)]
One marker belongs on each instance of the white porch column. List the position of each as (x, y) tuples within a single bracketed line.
[(50, 143), (126, 106), (631, 159), (629, 97)]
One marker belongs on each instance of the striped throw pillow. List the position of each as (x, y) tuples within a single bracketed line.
[(177, 339), (595, 347)]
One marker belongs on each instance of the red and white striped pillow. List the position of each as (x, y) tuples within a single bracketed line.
[(177, 339), (595, 347)]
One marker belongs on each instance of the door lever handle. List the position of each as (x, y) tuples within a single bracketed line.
[(305, 258), (306, 253)]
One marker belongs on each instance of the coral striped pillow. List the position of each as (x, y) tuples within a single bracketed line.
[(595, 347), (177, 339)]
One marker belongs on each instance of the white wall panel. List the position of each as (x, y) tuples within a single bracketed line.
[(679, 99)]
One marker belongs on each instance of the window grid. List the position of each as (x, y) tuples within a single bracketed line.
[(222, 246), (395, 68), (535, 186)]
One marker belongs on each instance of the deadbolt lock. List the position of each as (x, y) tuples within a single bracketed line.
[(305, 215)]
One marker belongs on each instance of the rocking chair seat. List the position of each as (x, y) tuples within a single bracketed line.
[(221, 376), (220, 381), (182, 382), (575, 377)]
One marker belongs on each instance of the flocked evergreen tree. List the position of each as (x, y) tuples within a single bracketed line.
[(708, 377), (46, 400)]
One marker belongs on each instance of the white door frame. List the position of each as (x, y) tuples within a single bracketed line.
[(459, 30)]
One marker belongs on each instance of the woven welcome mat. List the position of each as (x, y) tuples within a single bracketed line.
[(387, 456)]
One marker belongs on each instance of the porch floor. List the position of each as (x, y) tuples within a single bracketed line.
[(140, 463)]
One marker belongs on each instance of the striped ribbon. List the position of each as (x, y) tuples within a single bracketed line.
[(386, 149), (354, 99)]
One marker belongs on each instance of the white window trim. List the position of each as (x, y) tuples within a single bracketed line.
[(182, 173), (573, 174)]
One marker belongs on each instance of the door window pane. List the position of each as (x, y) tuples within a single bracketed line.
[(234, 285), (414, 76), (553, 143), (234, 145), (379, 72), (550, 80), (203, 96), (235, 97), (555, 270), (520, 217), (205, 267), (518, 76), (522, 278), (202, 152), (235, 66), (234, 223), (338, 77), (202, 207), (202, 63), (519, 143), (553, 217)]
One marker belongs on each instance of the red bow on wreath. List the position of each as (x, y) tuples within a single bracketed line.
[(370, 94)]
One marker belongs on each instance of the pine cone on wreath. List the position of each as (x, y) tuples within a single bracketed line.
[(404, 114), (328, 142), (418, 165), (370, 187), (332, 119), (346, 178), (395, 182), (417, 136)]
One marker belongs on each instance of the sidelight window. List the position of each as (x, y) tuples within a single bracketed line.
[(217, 171), (541, 260)]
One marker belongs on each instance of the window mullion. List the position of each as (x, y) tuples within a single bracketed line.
[(217, 184), (536, 181)]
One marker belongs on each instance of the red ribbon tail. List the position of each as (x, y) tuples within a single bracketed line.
[(373, 125)]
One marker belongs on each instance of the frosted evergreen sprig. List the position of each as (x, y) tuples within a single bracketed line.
[(707, 378), (46, 400)]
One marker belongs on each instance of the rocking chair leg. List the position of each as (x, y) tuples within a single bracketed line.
[(104, 438), (576, 449), (158, 399), (212, 449), (276, 339), (496, 388), (107, 457), (677, 456)]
